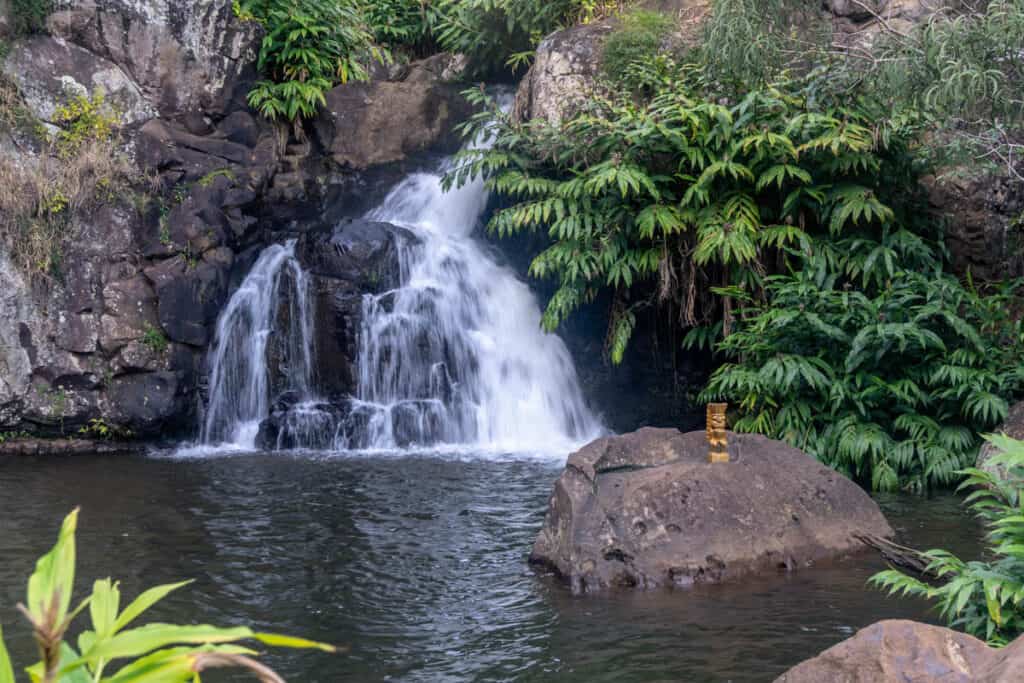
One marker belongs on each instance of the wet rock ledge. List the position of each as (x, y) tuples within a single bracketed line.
[(646, 509)]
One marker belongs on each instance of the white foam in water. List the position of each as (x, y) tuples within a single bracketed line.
[(460, 348), (453, 360)]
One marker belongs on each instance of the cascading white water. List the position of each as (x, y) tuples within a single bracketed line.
[(456, 354), (253, 329), (453, 356)]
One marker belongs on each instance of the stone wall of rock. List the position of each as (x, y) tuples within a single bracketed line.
[(121, 334)]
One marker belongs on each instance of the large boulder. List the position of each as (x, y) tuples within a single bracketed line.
[(365, 124), (567, 64), (50, 71), (646, 509), (909, 652)]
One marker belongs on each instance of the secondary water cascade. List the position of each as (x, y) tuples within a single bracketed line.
[(454, 356), (248, 337)]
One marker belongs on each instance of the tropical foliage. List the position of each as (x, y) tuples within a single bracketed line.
[(311, 46), (650, 198), (983, 597), (113, 650), (307, 48), (782, 223), (889, 383)]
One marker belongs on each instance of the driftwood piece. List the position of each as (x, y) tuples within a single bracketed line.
[(899, 555)]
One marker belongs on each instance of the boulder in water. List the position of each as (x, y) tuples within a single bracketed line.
[(646, 509), (899, 650)]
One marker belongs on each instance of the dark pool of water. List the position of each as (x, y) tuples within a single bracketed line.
[(419, 564)]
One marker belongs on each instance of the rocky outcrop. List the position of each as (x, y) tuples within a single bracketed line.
[(183, 56), (49, 71), (646, 509), (367, 124), (344, 262), (121, 333), (858, 22), (906, 651), (567, 64), (985, 214)]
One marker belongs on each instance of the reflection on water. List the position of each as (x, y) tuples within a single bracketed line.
[(418, 563)]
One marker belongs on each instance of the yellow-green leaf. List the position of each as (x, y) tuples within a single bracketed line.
[(146, 600), (52, 581), (278, 640)]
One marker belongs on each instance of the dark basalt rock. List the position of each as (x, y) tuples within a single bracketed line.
[(293, 424), (141, 402), (646, 509), (909, 652), (361, 252)]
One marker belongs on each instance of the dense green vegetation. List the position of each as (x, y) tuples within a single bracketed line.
[(774, 212), (29, 16), (156, 652), (985, 597), (311, 47), (306, 50)]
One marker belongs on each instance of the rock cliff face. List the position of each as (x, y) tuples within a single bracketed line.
[(121, 333)]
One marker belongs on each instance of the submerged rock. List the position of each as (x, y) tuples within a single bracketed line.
[(646, 509), (900, 650)]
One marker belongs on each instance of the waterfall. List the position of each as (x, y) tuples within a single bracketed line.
[(453, 355), (267, 320), (456, 354)]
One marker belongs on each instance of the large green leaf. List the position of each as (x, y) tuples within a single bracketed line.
[(139, 641), (146, 600), (50, 586)]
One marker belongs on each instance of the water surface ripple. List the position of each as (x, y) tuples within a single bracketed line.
[(419, 564)]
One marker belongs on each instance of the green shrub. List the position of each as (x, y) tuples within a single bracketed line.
[(402, 24), (985, 597), (156, 653), (154, 339), (99, 429), (29, 16), (493, 32), (638, 39), (655, 200), (307, 49), (84, 119), (889, 383)]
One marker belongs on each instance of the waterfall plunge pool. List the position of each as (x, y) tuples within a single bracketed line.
[(418, 563)]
